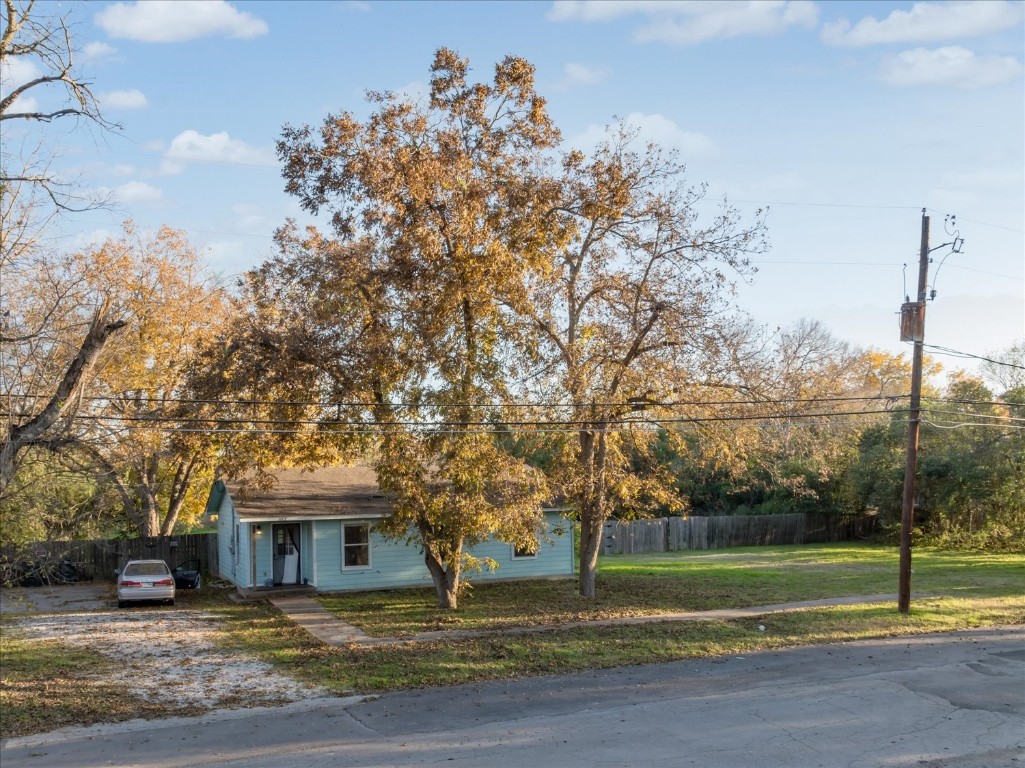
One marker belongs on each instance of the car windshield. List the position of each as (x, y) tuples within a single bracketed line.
[(145, 569)]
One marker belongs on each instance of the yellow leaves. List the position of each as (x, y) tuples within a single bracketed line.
[(157, 283)]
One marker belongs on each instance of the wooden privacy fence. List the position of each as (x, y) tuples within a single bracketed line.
[(97, 559), (677, 533)]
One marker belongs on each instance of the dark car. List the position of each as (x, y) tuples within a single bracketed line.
[(186, 574)]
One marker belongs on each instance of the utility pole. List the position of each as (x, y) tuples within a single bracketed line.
[(912, 329)]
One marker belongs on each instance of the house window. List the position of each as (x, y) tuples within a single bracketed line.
[(285, 545), (355, 545), (525, 553)]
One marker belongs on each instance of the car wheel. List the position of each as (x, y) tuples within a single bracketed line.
[(120, 603), (198, 581), (171, 601)]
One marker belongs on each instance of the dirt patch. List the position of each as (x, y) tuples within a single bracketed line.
[(171, 657), (56, 598)]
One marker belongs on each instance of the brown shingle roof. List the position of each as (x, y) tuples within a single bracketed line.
[(328, 491)]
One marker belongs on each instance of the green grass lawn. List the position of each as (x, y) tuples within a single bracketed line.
[(45, 685), (633, 585), (966, 590)]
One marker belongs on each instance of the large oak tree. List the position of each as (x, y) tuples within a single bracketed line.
[(436, 211)]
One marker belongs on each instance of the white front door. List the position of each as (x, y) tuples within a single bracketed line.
[(286, 553)]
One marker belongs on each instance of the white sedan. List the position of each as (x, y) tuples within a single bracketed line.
[(145, 580)]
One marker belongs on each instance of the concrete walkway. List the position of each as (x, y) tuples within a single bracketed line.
[(311, 616), (329, 629)]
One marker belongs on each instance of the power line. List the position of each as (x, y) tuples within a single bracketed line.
[(984, 223), (504, 425), (970, 424), (969, 355), (528, 404), (974, 415), (540, 430)]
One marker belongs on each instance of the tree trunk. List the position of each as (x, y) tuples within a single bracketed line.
[(149, 515), (176, 496), (446, 582), (63, 403), (590, 543), (593, 509)]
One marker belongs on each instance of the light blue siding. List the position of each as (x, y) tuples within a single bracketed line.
[(396, 564), (392, 563), (554, 558), (247, 559), (232, 544)]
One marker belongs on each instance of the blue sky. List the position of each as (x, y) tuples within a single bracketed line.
[(845, 118)]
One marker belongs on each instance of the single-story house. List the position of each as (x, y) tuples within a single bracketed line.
[(317, 529)]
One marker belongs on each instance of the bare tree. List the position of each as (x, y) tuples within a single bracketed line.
[(1005, 369), (41, 48), (44, 48)]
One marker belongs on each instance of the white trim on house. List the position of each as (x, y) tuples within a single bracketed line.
[(370, 549), (313, 553)]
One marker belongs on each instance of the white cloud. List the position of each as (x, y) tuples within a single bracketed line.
[(16, 71), (216, 148), (927, 22), (128, 99), (24, 104), (356, 5), (135, 192), (123, 169), (951, 66), (591, 10), (581, 74), (654, 128), (689, 22), (175, 21), (96, 51)]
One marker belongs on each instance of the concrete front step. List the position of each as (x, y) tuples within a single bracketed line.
[(255, 594)]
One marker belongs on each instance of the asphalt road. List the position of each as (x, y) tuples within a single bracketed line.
[(939, 701)]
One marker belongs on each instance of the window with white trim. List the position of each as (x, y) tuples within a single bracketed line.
[(355, 546), (525, 553)]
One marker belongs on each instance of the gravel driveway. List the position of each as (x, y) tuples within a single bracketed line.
[(170, 655)]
